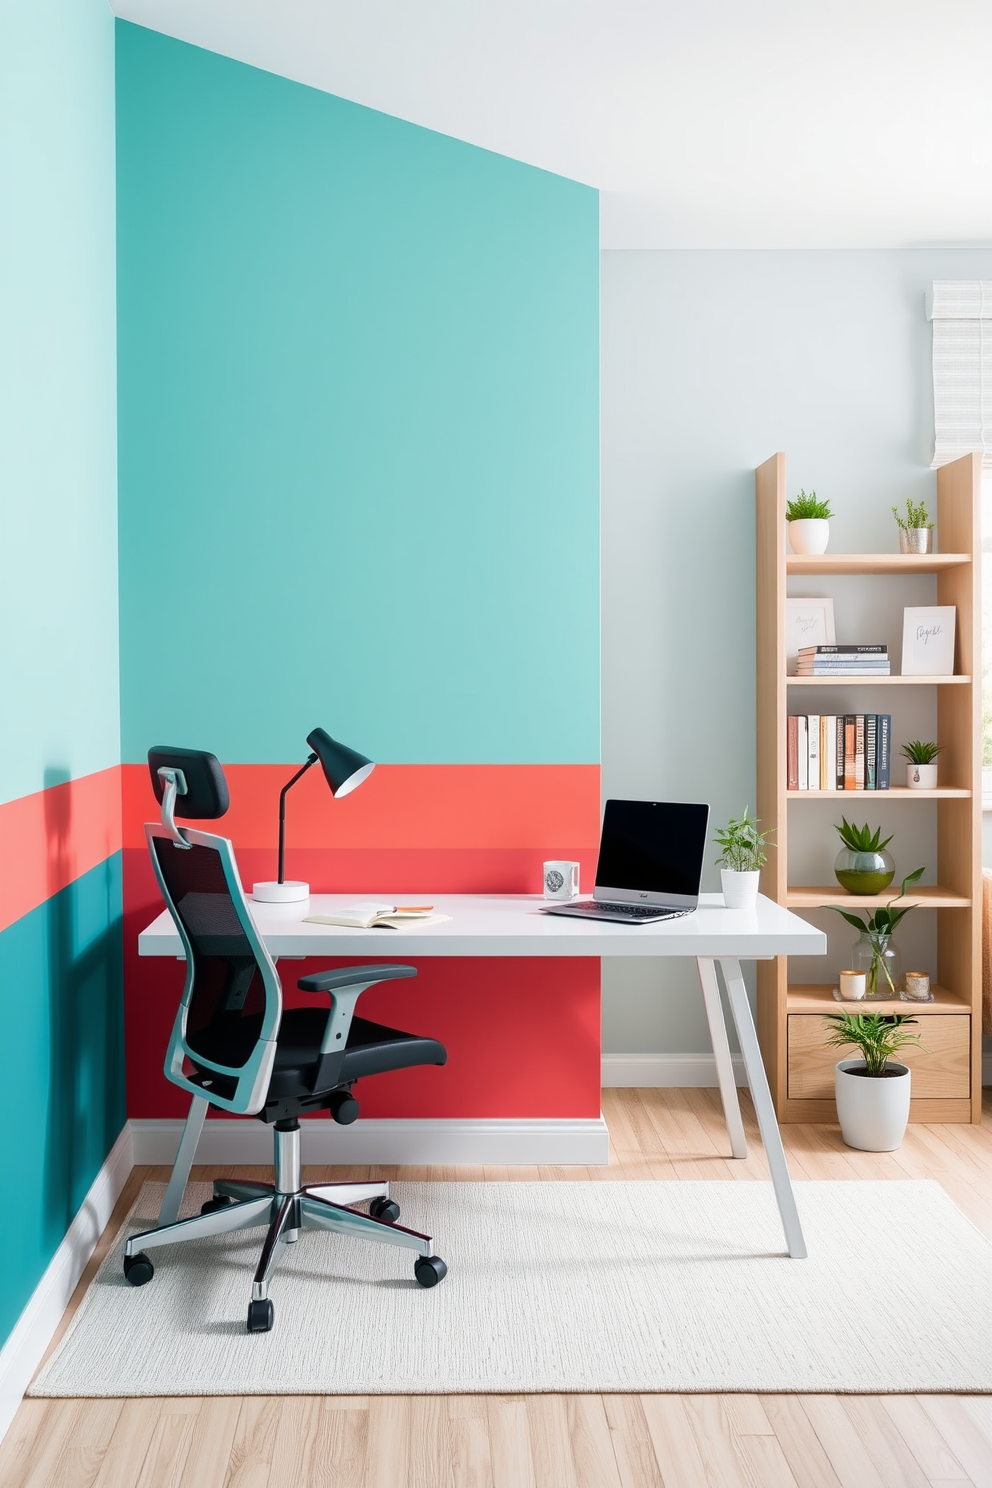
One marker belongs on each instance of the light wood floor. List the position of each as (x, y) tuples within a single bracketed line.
[(556, 1441)]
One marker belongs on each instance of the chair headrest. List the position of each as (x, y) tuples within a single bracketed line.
[(205, 796)]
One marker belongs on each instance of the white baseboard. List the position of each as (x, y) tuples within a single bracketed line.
[(380, 1140), (21, 1354), (647, 1071)]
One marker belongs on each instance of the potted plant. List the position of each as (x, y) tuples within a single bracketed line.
[(874, 952), (809, 523), (742, 854), (915, 529), (872, 1094), (921, 772), (863, 866)]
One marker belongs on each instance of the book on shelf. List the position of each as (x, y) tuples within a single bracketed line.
[(828, 661), (371, 916), (827, 751), (876, 649)]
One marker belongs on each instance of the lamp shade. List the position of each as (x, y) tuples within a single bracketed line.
[(343, 768)]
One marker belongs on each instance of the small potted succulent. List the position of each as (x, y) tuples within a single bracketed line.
[(921, 771), (875, 956), (742, 855), (872, 1093), (809, 523), (915, 528), (863, 866)]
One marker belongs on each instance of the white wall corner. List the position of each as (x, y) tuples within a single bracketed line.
[(22, 1352), (651, 1071)]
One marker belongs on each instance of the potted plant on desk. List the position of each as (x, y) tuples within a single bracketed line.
[(742, 854), (872, 1094)]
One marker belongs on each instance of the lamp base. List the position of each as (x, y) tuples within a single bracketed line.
[(290, 892)]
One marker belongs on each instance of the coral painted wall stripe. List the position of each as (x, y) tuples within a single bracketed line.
[(54, 836)]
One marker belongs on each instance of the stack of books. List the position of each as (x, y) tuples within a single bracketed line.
[(838, 751), (843, 661)]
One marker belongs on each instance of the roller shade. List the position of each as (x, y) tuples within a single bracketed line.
[(961, 311)]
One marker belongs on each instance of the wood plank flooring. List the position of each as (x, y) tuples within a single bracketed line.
[(554, 1441)]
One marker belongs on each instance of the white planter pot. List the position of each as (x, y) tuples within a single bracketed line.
[(872, 1112), (810, 535), (740, 890), (921, 777)]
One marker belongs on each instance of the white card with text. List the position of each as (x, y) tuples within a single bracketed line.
[(928, 640)]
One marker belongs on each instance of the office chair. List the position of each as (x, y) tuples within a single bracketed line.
[(235, 1047)]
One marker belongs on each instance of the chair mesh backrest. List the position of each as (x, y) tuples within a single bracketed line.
[(227, 999)]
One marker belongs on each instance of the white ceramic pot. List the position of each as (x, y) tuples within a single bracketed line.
[(921, 777), (872, 1112), (810, 535), (740, 890)]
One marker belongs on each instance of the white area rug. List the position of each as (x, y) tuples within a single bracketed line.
[(563, 1287)]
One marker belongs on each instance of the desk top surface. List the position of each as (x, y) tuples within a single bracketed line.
[(513, 925)]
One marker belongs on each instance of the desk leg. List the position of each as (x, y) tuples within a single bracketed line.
[(169, 1212), (721, 1053), (764, 1109)]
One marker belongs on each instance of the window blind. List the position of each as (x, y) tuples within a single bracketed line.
[(961, 312)]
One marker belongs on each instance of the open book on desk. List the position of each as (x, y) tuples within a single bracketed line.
[(377, 916)]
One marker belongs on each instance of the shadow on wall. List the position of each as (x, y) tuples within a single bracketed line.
[(85, 1001)]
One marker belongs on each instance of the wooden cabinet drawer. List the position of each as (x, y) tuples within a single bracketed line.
[(941, 1070)]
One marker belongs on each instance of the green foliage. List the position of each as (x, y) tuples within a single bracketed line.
[(882, 921), (919, 753), (877, 1036), (803, 508), (861, 839), (742, 844), (916, 515)]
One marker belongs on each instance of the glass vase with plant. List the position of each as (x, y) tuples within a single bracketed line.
[(863, 866), (809, 523), (742, 855), (915, 529), (874, 952), (921, 771)]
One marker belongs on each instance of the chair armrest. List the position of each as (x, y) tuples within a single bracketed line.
[(347, 976)]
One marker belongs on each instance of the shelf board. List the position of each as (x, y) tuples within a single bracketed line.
[(820, 999), (873, 563), (878, 680), (899, 792), (929, 896)]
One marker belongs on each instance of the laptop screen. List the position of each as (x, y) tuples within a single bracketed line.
[(652, 849)]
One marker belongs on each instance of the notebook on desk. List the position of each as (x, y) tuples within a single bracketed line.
[(650, 863)]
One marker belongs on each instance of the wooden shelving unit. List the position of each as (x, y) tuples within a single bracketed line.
[(947, 1075)]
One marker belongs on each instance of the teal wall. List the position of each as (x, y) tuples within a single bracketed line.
[(359, 428), (61, 979), (58, 492), (60, 965)]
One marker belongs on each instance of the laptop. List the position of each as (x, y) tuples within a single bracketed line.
[(650, 863)]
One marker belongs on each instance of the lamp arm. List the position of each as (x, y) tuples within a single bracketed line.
[(282, 813)]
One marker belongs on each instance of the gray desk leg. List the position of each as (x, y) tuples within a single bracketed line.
[(721, 1053), (169, 1212), (764, 1110)]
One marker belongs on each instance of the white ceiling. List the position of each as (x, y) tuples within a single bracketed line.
[(704, 123)]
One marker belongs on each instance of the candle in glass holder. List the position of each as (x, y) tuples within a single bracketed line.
[(917, 987), (853, 985)]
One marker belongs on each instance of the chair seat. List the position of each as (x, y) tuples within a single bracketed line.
[(373, 1049)]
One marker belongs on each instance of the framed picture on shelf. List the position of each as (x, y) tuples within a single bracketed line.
[(928, 640), (808, 622)]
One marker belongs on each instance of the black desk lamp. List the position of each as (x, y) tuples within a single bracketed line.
[(344, 769)]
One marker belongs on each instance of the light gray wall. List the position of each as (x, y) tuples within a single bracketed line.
[(712, 361)]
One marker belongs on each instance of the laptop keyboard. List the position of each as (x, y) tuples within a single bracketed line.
[(626, 911)]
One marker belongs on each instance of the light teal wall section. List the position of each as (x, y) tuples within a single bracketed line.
[(711, 363), (58, 496), (359, 407), (61, 975)]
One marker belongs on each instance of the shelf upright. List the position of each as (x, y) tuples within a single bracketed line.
[(947, 1075)]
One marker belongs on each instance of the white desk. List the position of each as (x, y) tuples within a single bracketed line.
[(513, 925)]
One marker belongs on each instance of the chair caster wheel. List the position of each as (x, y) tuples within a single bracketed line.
[(219, 1201), (138, 1269), (429, 1270), (344, 1108), (386, 1209), (261, 1316)]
